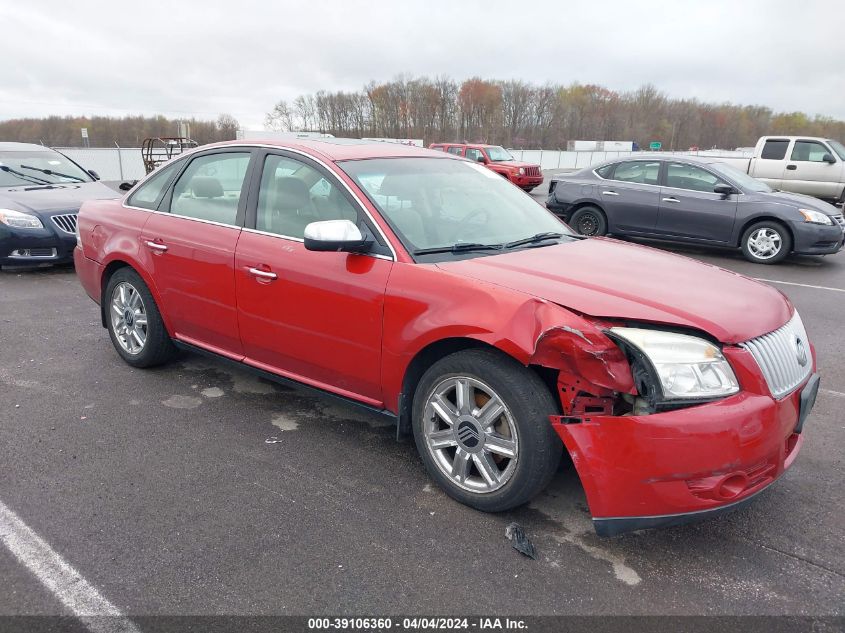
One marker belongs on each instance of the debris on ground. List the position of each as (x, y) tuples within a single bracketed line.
[(272, 440), (520, 542)]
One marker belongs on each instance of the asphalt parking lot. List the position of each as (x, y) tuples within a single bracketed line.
[(160, 488)]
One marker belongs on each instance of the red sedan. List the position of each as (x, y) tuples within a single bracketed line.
[(425, 287)]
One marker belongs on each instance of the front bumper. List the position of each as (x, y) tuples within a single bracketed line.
[(29, 247), (816, 239), (526, 181), (684, 465)]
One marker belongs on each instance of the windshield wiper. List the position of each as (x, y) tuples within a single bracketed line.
[(539, 237), (32, 180), (460, 247), (50, 172)]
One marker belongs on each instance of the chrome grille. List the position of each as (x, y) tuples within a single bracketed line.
[(779, 356), (66, 222), (840, 220)]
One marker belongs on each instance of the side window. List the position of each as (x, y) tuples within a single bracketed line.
[(474, 154), (457, 151), (605, 171), (293, 194), (775, 149), (148, 195), (681, 176), (638, 171), (810, 151), (210, 188)]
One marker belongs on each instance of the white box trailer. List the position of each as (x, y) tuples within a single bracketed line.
[(616, 146)]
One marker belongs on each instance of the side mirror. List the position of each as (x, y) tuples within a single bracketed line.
[(126, 185), (480, 159), (93, 174), (828, 158), (724, 189), (336, 235)]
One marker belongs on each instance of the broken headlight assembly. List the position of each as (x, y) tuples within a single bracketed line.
[(672, 369)]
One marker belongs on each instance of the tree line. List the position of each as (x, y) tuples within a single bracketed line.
[(517, 114), (103, 131)]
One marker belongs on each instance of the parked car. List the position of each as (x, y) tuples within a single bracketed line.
[(429, 290), (40, 194), (801, 164), (524, 175), (695, 200)]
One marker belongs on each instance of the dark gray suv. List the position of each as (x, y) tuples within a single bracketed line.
[(686, 199)]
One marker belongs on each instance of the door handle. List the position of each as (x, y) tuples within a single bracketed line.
[(263, 274), (156, 246), (670, 200), (609, 193), (792, 167)]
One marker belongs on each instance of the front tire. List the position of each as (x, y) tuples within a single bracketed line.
[(481, 427), (134, 322), (589, 221), (766, 243)]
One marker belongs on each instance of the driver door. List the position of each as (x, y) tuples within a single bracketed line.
[(315, 317)]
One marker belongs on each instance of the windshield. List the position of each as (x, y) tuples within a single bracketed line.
[(437, 203), (38, 167), (498, 154), (740, 178), (839, 148)]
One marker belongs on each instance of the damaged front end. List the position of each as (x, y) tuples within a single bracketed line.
[(656, 425)]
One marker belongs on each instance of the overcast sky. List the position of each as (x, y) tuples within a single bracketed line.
[(201, 58)]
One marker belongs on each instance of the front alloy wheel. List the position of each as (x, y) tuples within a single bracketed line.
[(470, 434), (765, 243), (129, 318)]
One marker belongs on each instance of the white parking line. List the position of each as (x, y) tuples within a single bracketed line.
[(838, 394), (792, 283), (77, 594)]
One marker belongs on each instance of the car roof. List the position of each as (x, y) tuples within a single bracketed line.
[(338, 149), (23, 147), (697, 160)]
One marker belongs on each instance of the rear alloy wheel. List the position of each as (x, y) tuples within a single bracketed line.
[(589, 221), (766, 243), (134, 322), (481, 427)]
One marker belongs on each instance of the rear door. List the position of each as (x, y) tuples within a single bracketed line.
[(312, 316), (807, 173), (192, 243), (769, 165), (689, 208), (631, 196)]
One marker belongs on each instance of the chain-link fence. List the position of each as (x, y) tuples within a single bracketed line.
[(110, 163)]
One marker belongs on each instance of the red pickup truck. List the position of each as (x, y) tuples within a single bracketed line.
[(523, 175)]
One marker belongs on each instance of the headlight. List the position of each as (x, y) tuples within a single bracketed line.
[(815, 217), (522, 171), (687, 367), (19, 220)]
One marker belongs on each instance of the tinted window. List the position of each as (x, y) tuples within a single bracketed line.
[(210, 188), (809, 151), (293, 194), (641, 171), (774, 149), (473, 154), (148, 195), (605, 171), (681, 176), (457, 151)]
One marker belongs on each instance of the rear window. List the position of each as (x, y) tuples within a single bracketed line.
[(775, 149), (457, 151), (605, 171), (639, 171)]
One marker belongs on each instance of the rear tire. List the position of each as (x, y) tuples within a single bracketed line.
[(134, 322), (766, 242), (481, 426), (589, 221)]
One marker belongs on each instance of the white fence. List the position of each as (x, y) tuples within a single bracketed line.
[(125, 163)]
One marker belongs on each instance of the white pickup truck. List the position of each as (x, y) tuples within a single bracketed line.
[(801, 164)]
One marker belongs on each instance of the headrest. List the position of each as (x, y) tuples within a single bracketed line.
[(206, 187), (291, 193), (404, 187)]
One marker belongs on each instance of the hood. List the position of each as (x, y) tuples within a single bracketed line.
[(513, 163), (60, 197), (793, 201), (602, 277)]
